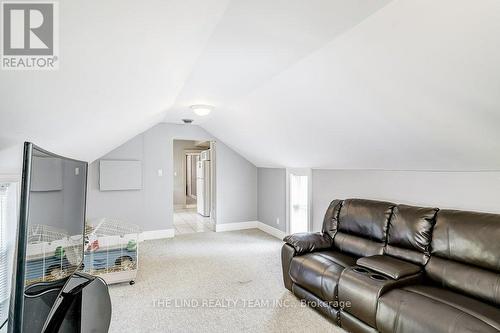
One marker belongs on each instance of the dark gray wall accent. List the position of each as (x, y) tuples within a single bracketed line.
[(62, 207), (73, 195), (47, 174), (152, 207), (477, 191), (46, 208), (272, 197)]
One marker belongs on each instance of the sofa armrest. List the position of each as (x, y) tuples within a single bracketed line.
[(287, 254), (308, 242), (389, 266)]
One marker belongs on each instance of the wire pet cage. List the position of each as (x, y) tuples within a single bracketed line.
[(111, 250), (51, 254)]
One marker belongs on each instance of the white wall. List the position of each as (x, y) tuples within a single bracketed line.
[(479, 191), (152, 207), (11, 159)]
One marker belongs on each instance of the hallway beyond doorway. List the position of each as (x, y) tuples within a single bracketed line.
[(187, 221)]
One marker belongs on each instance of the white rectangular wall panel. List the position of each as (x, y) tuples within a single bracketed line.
[(120, 175)]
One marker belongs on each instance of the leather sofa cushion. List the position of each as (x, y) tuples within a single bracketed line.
[(365, 218), (432, 309), (352, 324), (319, 272), (408, 255), (305, 242), (391, 267), (356, 245), (312, 300), (331, 219), (477, 282), (468, 237), (410, 228)]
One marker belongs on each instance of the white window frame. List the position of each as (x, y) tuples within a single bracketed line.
[(14, 181), (300, 172)]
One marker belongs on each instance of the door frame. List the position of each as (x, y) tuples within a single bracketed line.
[(301, 172), (213, 182)]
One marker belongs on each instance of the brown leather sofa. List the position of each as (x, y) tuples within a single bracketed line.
[(381, 267)]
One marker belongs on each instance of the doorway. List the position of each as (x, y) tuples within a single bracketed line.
[(193, 198), (299, 193)]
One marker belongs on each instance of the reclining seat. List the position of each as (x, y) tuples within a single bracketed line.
[(462, 288), (402, 264), (312, 262)]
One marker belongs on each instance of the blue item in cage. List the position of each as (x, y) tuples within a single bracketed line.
[(104, 258), (39, 268)]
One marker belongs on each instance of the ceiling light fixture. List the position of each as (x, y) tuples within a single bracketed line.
[(202, 110)]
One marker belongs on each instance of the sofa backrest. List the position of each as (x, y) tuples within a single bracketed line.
[(331, 219), (465, 253), (409, 233), (362, 226)]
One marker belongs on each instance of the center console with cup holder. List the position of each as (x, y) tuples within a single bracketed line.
[(362, 286)]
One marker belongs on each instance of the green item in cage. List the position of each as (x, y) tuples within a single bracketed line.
[(59, 253), (132, 245)]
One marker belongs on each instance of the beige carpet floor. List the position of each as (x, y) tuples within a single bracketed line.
[(212, 282)]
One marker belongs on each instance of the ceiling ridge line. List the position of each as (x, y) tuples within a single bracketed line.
[(163, 113), (196, 61)]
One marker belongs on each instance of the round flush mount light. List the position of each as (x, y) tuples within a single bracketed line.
[(202, 110)]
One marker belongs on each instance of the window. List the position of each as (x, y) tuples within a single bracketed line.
[(8, 208), (299, 193)]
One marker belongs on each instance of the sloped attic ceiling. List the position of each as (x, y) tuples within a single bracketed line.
[(415, 86), (122, 65), (319, 83)]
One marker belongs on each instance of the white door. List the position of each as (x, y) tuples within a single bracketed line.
[(298, 200)]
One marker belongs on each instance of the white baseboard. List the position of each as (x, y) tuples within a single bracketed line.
[(250, 225), (156, 234), (271, 230), (169, 233), (235, 226)]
